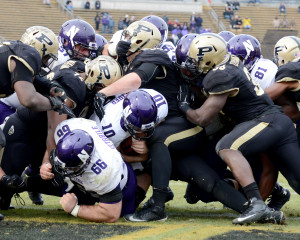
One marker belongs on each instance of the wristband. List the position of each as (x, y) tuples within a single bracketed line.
[(75, 210)]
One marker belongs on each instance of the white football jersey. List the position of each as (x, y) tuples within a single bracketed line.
[(62, 57), (169, 48), (112, 124), (264, 72), (107, 169)]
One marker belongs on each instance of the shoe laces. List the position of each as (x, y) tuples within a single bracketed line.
[(19, 200)]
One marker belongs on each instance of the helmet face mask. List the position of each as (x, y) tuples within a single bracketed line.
[(73, 153), (44, 41), (186, 66), (287, 49), (77, 37), (142, 35), (139, 114), (247, 48), (102, 71), (206, 51)]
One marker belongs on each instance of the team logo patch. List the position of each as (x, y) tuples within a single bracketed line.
[(11, 130)]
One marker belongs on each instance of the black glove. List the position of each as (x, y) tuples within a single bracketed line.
[(123, 48), (58, 106), (14, 181), (99, 100), (184, 98)]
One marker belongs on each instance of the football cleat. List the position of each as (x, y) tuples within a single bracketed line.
[(279, 198), (1, 217), (254, 211), (149, 213), (36, 198), (272, 216)]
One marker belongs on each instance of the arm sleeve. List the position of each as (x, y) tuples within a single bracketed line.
[(149, 71), (20, 73)]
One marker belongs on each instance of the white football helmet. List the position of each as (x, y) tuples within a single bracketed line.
[(286, 50), (206, 51), (43, 40), (102, 71), (142, 35)]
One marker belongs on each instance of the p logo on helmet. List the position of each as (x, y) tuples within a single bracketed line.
[(202, 51)]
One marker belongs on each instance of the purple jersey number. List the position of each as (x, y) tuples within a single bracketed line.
[(98, 166), (260, 73)]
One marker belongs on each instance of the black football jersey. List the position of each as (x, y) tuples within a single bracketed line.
[(26, 54), (287, 73), (68, 77), (250, 100), (168, 84)]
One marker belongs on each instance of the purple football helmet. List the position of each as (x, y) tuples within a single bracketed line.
[(160, 24), (77, 32), (139, 114), (182, 49), (100, 40), (227, 35), (246, 47), (73, 153)]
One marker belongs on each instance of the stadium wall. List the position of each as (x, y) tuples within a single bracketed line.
[(155, 6)]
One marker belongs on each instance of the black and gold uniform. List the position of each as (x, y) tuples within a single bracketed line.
[(261, 125), (28, 63), (26, 130), (158, 72)]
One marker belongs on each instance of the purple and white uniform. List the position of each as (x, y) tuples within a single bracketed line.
[(263, 72), (112, 124), (169, 48), (107, 170)]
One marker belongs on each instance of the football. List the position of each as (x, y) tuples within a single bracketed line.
[(125, 147)]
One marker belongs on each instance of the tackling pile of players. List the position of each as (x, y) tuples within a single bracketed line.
[(97, 123)]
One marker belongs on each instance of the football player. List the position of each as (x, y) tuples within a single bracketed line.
[(162, 26), (21, 61), (229, 88), (77, 40), (84, 154), (151, 68), (263, 72)]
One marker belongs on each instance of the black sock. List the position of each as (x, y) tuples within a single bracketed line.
[(277, 189), (251, 191), (159, 196), (140, 195)]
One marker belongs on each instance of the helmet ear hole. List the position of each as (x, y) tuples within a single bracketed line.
[(138, 41)]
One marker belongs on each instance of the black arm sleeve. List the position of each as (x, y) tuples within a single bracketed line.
[(20, 73), (149, 71), (42, 84)]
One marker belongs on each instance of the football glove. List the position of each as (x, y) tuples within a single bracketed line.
[(184, 98), (99, 100), (14, 181), (58, 106)]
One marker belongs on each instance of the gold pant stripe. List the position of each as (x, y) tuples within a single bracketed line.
[(182, 135), (248, 135)]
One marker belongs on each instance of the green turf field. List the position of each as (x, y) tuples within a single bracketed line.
[(185, 221)]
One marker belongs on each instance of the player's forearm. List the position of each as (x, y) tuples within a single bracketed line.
[(108, 213), (138, 158), (127, 83)]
